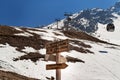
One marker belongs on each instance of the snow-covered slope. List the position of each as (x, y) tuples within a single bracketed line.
[(112, 37), (98, 66), (94, 21), (54, 25), (102, 64)]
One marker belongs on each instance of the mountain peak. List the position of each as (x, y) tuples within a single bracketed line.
[(93, 17), (117, 4), (115, 8)]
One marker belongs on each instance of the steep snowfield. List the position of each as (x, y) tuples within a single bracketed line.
[(112, 37), (102, 65)]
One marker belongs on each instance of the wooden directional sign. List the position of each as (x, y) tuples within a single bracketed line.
[(50, 57), (56, 66), (56, 47)]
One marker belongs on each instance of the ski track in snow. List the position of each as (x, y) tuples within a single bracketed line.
[(103, 62)]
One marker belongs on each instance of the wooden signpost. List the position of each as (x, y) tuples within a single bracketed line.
[(56, 48)]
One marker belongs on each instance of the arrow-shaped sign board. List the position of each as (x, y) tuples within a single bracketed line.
[(56, 66)]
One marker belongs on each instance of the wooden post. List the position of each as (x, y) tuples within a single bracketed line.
[(56, 48), (58, 71)]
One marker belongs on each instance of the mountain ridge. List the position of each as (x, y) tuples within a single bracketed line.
[(87, 20)]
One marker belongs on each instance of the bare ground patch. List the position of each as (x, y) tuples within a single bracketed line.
[(6, 75), (32, 56)]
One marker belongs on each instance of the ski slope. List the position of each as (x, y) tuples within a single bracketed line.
[(112, 37), (102, 65)]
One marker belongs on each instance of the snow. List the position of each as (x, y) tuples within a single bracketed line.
[(97, 66), (111, 37), (98, 9), (7, 54), (18, 29), (74, 15), (112, 8), (84, 22), (24, 34), (42, 51), (54, 25), (29, 49), (7, 66), (49, 34)]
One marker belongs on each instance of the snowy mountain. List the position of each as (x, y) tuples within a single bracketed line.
[(94, 51), (94, 22), (94, 16), (88, 20), (105, 35)]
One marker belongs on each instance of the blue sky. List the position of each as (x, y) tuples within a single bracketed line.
[(33, 13)]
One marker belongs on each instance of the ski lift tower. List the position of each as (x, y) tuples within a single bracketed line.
[(57, 20), (68, 19)]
